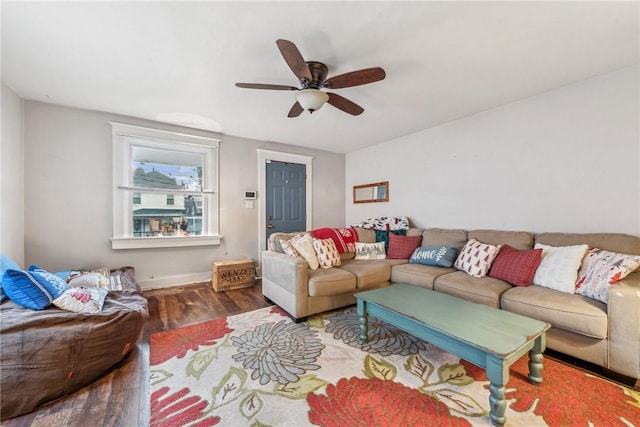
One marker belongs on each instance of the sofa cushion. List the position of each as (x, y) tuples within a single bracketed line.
[(570, 312), (439, 256), (330, 281), (516, 239), (613, 242), (365, 235), (601, 269), (515, 266), (559, 266), (368, 273), (417, 274), (482, 290), (393, 262), (444, 237), (347, 255), (401, 247), (476, 257)]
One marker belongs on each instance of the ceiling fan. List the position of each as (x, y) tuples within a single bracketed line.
[(313, 78)]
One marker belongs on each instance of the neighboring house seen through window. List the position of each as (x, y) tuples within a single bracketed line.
[(165, 188)]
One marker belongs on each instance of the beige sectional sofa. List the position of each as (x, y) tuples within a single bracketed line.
[(605, 334)]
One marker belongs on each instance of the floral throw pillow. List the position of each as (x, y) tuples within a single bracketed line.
[(82, 300), (476, 257), (601, 269), (326, 252)]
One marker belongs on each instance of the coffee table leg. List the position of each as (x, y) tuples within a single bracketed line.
[(498, 375), (535, 360), (362, 312), (498, 404)]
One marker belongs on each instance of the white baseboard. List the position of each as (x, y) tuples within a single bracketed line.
[(177, 280)]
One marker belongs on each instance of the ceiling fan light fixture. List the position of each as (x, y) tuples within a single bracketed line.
[(311, 99)]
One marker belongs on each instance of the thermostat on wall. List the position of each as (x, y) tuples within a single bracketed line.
[(250, 195)]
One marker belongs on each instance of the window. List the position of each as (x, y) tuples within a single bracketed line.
[(165, 188)]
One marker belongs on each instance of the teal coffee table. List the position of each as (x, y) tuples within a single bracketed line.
[(485, 336)]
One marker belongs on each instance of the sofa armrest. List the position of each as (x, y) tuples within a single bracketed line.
[(623, 312), (285, 281)]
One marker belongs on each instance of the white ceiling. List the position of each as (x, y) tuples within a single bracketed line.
[(444, 60)]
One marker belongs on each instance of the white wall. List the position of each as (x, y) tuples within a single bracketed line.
[(68, 197), (11, 177), (567, 160)]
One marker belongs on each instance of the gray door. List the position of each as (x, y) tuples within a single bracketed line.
[(286, 197)]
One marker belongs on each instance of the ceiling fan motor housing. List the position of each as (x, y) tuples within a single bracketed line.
[(319, 73)]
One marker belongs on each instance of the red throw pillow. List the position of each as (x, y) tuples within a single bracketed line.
[(402, 247), (515, 266)]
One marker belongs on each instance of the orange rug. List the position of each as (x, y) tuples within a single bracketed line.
[(261, 369)]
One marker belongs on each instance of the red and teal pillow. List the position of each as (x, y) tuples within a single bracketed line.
[(516, 266), (383, 236), (35, 289)]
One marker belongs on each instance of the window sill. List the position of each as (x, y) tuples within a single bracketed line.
[(163, 242)]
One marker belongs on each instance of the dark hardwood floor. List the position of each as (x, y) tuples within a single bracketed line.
[(120, 398)]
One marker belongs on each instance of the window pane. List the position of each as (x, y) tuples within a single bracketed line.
[(155, 216), (170, 169)]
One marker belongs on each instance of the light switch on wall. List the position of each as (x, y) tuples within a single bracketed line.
[(248, 204)]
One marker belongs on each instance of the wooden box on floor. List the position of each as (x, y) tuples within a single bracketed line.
[(233, 274)]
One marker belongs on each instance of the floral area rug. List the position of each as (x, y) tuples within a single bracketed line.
[(261, 369)]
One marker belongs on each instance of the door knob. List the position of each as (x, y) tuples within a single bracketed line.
[(269, 226)]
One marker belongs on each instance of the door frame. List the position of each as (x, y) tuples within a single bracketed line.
[(278, 156)]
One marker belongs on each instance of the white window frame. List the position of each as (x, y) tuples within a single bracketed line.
[(124, 137)]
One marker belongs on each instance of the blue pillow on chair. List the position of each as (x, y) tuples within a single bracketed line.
[(6, 264), (35, 289)]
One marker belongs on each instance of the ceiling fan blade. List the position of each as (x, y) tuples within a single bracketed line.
[(344, 104), (265, 86), (356, 78), (296, 110), (294, 59)]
